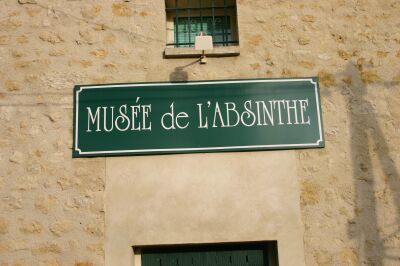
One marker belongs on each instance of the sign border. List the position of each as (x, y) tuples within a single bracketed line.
[(79, 88)]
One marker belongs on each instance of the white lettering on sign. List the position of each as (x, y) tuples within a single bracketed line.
[(132, 117), (172, 120), (94, 119), (137, 117), (231, 108), (254, 113)]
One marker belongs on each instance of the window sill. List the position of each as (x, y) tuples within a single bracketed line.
[(218, 51)]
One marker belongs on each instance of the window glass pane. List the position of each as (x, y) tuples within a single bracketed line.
[(187, 30)]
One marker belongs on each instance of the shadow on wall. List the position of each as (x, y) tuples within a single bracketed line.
[(374, 244), (180, 74)]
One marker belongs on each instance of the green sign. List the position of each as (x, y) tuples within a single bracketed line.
[(198, 116)]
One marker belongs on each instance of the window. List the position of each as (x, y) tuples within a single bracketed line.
[(232, 254), (187, 18)]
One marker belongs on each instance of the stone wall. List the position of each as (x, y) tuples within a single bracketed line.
[(51, 207)]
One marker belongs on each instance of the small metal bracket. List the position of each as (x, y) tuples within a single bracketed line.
[(203, 58)]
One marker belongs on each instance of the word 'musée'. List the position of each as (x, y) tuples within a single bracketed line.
[(129, 117)]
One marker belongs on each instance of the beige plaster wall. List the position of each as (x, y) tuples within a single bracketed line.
[(203, 198), (52, 206)]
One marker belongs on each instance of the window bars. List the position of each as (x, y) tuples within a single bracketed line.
[(190, 19)]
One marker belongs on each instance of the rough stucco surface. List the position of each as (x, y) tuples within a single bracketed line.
[(51, 208), (203, 198)]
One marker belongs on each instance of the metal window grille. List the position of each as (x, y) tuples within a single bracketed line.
[(214, 17)]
